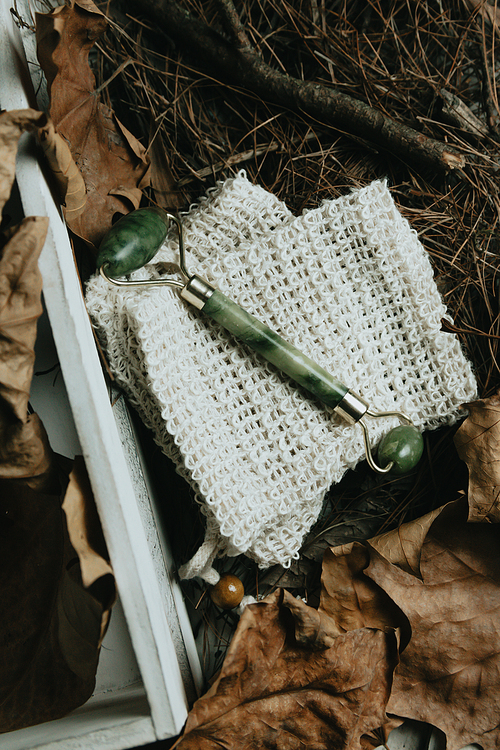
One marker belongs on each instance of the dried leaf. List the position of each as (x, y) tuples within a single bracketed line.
[(448, 620), (478, 444), (34, 678), (449, 670), (489, 11), (113, 163), (354, 601), (51, 625), (403, 546), (20, 308), (12, 125), (22, 448), (274, 691), (449, 673), (68, 177), (86, 536)]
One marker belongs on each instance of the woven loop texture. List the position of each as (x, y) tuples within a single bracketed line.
[(349, 284)]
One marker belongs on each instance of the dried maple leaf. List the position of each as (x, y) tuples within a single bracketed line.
[(449, 669), (113, 163), (478, 444), (289, 681), (403, 546), (352, 599), (449, 673)]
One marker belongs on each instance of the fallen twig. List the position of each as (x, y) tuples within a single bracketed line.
[(235, 60)]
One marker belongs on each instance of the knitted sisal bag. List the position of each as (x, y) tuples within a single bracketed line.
[(347, 283)]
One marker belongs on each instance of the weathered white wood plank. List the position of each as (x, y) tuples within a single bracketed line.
[(111, 722)]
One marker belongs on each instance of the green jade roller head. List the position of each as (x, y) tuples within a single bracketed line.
[(135, 239)]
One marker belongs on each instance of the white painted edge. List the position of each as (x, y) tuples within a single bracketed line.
[(96, 427), (148, 495), (114, 721)]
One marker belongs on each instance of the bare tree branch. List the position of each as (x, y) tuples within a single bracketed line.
[(237, 62), (232, 24)]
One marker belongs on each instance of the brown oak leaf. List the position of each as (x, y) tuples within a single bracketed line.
[(113, 163), (478, 444), (288, 681)]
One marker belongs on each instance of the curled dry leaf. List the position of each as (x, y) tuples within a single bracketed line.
[(85, 535), (12, 125), (22, 450), (113, 163), (52, 623), (67, 175), (288, 681), (403, 546), (478, 444), (87, 590), (22, 438)]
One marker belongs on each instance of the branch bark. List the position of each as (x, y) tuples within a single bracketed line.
[(232, 24), (236, 61)]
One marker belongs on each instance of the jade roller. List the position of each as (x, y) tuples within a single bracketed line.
[(135, 239)]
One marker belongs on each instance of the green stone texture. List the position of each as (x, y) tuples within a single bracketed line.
[(133, 241), (404, 446), (270, 345)]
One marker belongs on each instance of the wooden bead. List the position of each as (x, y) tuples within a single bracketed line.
[(228, 592)]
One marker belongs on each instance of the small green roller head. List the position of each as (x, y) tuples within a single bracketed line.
[(404, 446), (133, 241)]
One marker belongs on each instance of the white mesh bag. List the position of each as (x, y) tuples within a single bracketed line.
[(347, 283)]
